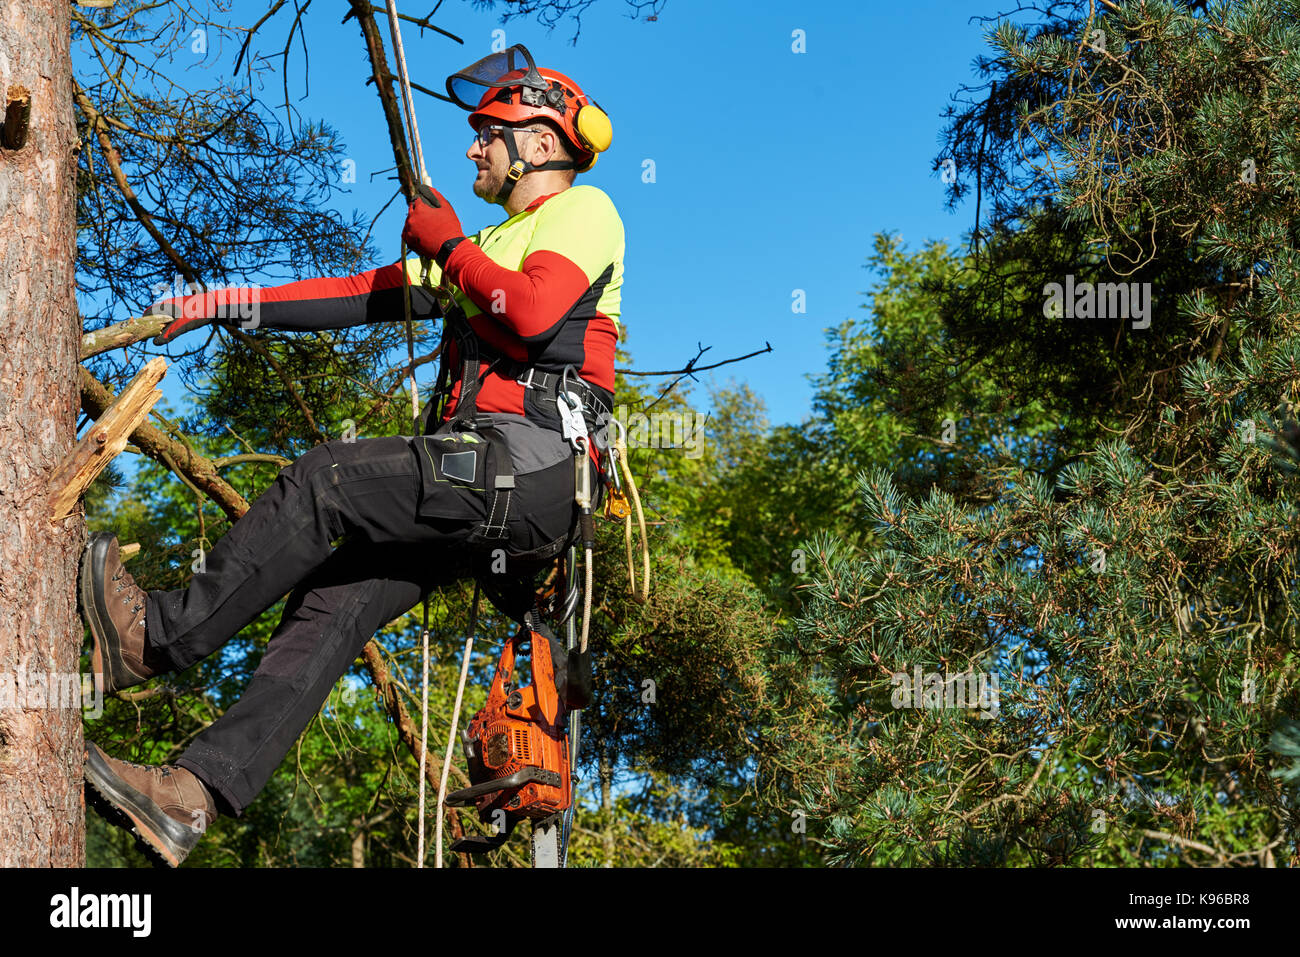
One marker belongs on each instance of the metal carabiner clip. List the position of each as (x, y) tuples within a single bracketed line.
[(612, 454)]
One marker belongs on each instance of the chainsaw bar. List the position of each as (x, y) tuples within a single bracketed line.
[(545, 850)]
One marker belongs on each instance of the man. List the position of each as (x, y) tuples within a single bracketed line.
[(536, 306)]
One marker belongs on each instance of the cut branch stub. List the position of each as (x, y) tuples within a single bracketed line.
[(105, 439), (121, 334)]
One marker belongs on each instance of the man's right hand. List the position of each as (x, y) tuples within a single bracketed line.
[(187, 312)]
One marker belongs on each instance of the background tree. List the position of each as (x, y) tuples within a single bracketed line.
[(1129, 574)]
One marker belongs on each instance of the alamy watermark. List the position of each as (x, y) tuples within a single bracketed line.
[(27, 690), (657, 430), (934, 689), (1104, 300), (200, 302), (130, 911)]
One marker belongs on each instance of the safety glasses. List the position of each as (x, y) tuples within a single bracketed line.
[(486, 134)]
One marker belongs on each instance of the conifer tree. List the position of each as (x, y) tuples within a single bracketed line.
[(1128, 577)]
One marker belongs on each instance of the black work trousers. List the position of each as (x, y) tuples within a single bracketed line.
[(370, 494)]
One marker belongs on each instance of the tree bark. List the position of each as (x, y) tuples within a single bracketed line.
[(359, 843), (42, 811)]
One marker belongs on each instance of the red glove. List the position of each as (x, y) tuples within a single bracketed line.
[(226, 307), (190, 312), (431, 224)]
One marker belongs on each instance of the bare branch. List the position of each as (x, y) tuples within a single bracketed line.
[(226, 460), (692, 368)]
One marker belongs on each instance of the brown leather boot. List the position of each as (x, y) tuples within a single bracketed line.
[(168, 808), (114, 608)]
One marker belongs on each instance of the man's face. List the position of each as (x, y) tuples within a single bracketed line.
[(492, 164), (535, 145)]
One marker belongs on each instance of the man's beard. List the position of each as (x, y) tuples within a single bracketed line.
[(489, 185)]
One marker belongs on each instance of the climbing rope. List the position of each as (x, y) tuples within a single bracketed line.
[(424, 732), (619, 451), (455, 718), (408, 102), (408, 107)]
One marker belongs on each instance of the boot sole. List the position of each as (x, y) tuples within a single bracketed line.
[(166, 838)]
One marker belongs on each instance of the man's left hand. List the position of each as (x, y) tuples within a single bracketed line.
[(430, 223)]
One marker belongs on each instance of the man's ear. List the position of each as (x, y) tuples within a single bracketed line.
[(548, 142)]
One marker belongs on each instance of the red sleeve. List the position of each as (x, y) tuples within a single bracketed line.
[(531, 302), (324, 303)]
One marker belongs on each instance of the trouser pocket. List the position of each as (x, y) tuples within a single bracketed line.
[(545, 507), (454, 474)]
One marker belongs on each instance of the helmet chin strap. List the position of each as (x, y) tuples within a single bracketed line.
[(520, 167)]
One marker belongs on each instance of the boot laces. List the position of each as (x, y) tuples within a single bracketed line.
[(153, 769)]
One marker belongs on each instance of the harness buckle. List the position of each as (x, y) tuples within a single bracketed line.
[(527, 381)]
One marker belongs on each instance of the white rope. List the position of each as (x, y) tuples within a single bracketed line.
[(586, 602), (424, 731), (455, 719), (644, 595), (618, 450), (408, 103)]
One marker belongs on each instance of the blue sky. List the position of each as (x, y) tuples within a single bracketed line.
[(772, 169)]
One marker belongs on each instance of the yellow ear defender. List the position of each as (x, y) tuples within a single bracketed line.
[(594, 128), (595, 132)]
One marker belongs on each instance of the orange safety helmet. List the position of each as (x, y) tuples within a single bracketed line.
[(517, 92)]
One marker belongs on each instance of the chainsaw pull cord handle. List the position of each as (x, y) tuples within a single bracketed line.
[(455, 718)]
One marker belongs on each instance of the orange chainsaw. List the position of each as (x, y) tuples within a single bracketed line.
[(517, 745)]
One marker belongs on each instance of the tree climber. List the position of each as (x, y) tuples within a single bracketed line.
[(535, 311)]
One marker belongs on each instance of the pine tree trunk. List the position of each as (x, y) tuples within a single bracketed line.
[(42, 818)]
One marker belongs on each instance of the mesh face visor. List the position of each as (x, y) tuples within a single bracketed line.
[(512, 67)]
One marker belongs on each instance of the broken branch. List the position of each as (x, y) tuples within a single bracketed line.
[(105, 439), (96, 397)]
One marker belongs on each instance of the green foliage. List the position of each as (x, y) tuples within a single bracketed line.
[(1124, 562)]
